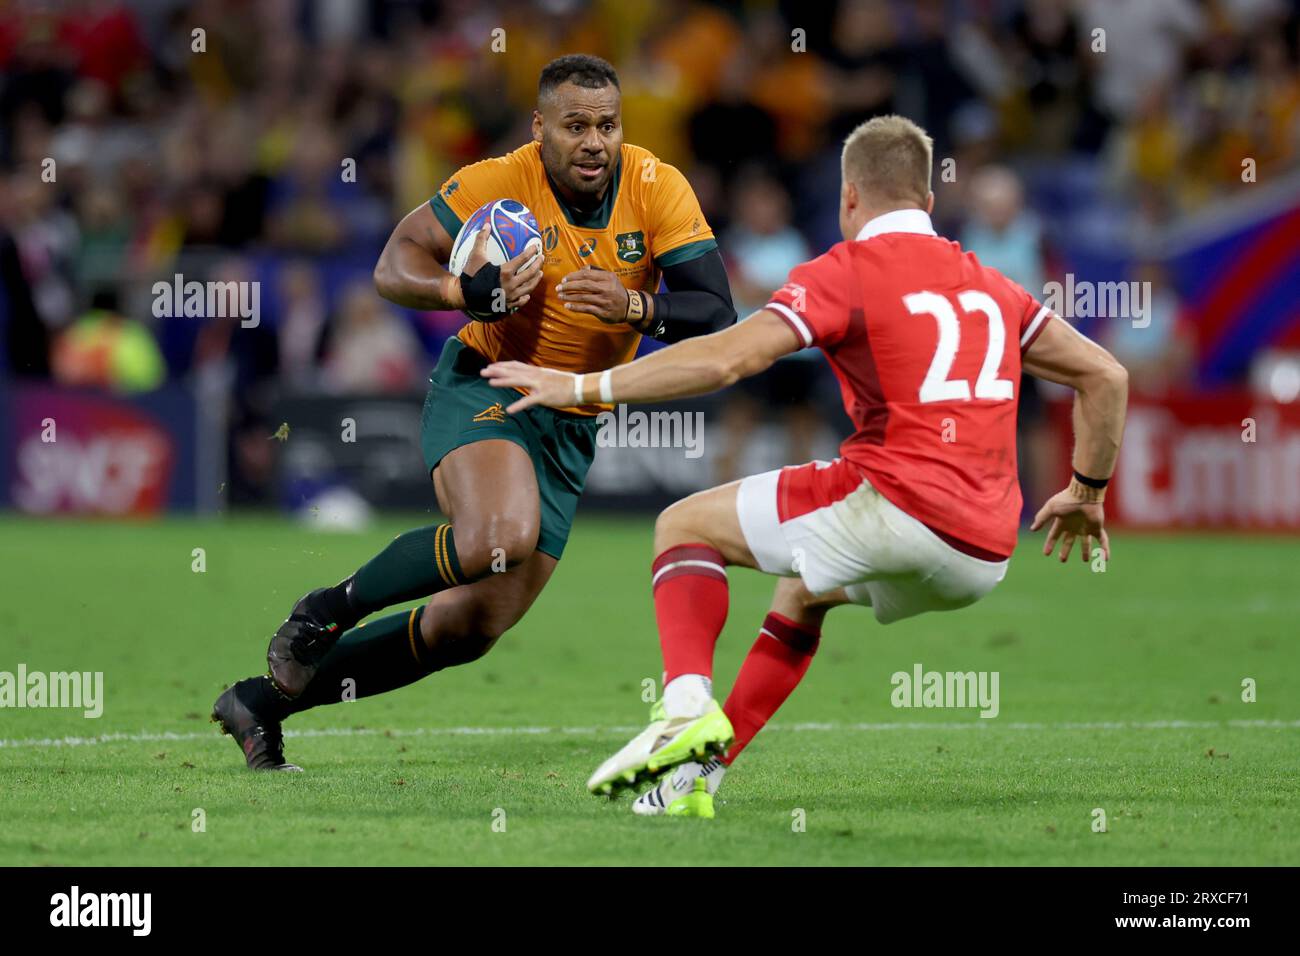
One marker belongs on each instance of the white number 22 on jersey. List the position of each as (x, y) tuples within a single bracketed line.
[(937, 387)]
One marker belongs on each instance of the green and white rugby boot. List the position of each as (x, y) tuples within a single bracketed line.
[(667, 742), (686, 792)]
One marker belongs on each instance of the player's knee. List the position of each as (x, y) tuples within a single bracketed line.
[(676, 525), (791, 597), (494, 545), (793, 600)]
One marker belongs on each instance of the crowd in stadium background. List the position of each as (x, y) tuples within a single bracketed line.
[(230, 163)]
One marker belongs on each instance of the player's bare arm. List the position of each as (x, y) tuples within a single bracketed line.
[(693, 367), (1062, 355), (412, 272)]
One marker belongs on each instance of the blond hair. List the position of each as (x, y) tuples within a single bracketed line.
[(889, 157)]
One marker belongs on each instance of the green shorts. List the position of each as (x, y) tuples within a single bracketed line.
[(462, 408)]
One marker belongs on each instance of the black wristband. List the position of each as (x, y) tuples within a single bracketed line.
[(480, 292), (660, 320), (1091, 482)]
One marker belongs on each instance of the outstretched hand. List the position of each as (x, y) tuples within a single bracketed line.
[(1073, 518), (546, 386)]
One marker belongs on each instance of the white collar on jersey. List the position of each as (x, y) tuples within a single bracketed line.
[(900, 220)]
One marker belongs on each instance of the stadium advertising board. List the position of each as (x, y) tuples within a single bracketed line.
[(69, 451), (1229, 461)]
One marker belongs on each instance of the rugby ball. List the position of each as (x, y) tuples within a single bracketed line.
[(511, 230)]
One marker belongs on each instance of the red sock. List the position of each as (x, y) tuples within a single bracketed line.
[(690, 592), (772, 670)]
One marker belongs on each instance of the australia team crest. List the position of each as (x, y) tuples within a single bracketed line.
[(630, 246)]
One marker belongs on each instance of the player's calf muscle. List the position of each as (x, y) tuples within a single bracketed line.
[(462, 645), (463, 629), (464, 623)]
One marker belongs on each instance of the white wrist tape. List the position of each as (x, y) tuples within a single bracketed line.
[(577, 389), (607, 387)]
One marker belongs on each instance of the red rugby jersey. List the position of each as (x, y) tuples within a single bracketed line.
[(926, 344)]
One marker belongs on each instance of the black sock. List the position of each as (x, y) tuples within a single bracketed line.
[(338, 606), (260, 695)]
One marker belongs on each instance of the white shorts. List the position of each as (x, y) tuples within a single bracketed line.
[(824, 522)]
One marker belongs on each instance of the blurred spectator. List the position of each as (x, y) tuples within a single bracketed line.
[(1000, 231), (47, 238), (1144, 46), (371, 350), (730, 128), (866, 59), (1045, 41), (105, 233), (239, 362), (762, 247), (797, 90), (102, 349), (1003, 234), (24, 346), (307, 201), (245, 349), (1157, 348), (302, 326), (939, 59), (1275, 115)]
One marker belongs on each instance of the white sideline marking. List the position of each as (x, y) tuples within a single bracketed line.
[(212, 735)]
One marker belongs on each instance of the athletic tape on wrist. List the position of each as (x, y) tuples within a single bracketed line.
[(635, 307)]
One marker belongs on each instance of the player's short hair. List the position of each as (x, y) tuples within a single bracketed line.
[(889, 157), (582, 69)]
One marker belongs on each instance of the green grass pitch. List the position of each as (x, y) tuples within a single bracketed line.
[(1119, 690)]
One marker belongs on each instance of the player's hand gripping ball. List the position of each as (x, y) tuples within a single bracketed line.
[(498, 257)]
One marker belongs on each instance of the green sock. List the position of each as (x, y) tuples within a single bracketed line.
[(377, 657), (415, 564)]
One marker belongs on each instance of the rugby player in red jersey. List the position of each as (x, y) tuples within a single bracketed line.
[(919, 513)]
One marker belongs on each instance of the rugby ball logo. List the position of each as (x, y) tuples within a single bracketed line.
[(512, 228)]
